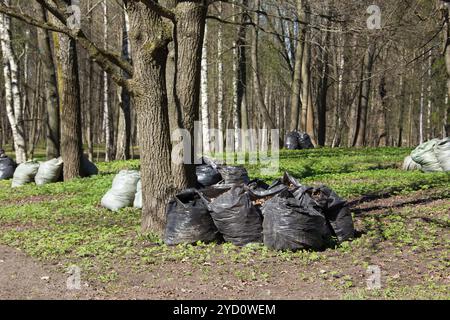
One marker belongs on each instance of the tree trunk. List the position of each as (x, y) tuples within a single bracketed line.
[(71, 136), (124, 127), (107, 115), (220, 82), (149, 54), (51, 90), (14, 107), (401, 120), (296, 81), (323, 90), (189, 35), (259, 95), (204, 95), (365, 95)]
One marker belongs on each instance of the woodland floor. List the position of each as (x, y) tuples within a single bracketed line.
[(402, 220)]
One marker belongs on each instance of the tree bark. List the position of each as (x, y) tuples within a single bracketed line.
[(149, 54), (124, 127), (256, 77), (189, 35), (14, 107), (51, 90), (69, 86), (369, 61), (297, 79)]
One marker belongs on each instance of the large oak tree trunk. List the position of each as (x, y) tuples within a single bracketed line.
[(149, 54), (69, 86), (51, 90), (189, 34)]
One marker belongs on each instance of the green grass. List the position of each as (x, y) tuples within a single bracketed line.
[(64, 222)]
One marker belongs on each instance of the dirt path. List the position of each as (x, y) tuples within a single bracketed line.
[(23, 278)]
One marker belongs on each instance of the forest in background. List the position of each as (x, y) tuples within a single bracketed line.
[(319, 56)]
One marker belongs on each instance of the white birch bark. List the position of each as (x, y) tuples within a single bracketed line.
[(429, 103), (204, 94), (14, 108), (220, 82), (237, 136), (106, 111)]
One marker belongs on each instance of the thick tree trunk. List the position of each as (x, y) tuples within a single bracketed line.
[(189, 35), (69, 86), (51, 90), (149, 54)]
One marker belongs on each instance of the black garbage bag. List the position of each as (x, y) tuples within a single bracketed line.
[(207, 175), (237, 219), (234, 175), (260, 190), (298, 140), (304, 140), (7, 167), (292, 221), (189, 220), (258, 185), (292, 141), (337, 212), (88, 168)]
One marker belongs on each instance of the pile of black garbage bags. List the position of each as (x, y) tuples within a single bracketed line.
[(283, 216), (296, 140)]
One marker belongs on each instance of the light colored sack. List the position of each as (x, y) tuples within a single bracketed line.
[(138, 197), (123, 191), (25, 173), (409, 164), (442, 152), (425, 156), (49, 172)]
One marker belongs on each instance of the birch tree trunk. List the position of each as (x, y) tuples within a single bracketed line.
[(14, 107), (220, 81), (204, 94), (429, 129), (422, 107), (107, 123)]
